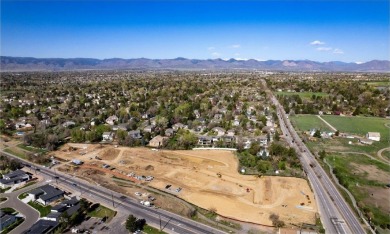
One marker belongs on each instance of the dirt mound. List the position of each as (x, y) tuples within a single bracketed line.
[(110, 154), (149, 168)]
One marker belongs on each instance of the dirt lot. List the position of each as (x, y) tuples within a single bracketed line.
[(208, 179)]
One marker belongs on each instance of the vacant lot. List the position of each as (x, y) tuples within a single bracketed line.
[(209, 179), (307, 122), (366, 179), (359, 125)]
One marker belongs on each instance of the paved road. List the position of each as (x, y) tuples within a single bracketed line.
[(30, 214), (336, 215), (172, 222)]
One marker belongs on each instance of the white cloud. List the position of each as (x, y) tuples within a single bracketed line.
[(215, 54), (244, 59), (359, 62), (324, 48), (316, 42), (338, 51), (211, 48), (236, 46)]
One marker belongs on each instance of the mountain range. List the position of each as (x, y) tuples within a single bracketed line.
[(65, 64)]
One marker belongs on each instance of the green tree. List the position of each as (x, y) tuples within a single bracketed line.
[(317, 133), (131, 223)]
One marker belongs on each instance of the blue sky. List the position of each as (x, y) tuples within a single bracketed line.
[(351, 31)]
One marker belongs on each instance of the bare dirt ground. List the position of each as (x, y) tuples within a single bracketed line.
[(371, 172), (209, 179)]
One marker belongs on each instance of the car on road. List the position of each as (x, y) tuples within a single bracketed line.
[(123, 197), (74, 184)]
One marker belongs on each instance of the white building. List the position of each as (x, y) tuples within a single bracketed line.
[(375, 136)]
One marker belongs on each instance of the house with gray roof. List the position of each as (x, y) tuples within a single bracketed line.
[(6, 220), (45, 194), (15, 177), (43, 227)]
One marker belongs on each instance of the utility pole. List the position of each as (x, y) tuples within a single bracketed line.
[(112, 197), (159, 216)]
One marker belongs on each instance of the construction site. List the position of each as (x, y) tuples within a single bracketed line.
[(206, 178)]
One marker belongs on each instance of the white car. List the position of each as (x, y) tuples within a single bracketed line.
[(138, 193)]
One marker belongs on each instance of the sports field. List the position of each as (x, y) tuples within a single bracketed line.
[(307, 122), (360, 125)]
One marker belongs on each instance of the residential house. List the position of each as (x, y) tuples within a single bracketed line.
[(68, 124), (196, 113), (375, 136), (231, 132), (236, 122), (204, 140), (15, 177), (220, 131), (158, 141), (201, 120), (70, 206), (264, 153), (6, 220), (135, 134), (228, 139), (149, 128), (112, 119), (263, 140), (178, 126), (45, 194), (169, 132), (153, 121), (108, 136), (43, 227)]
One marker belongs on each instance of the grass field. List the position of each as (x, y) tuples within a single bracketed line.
[(379, 83), (305, 95), (31, 149), (365, 179), (43, 210), (22, 196), (101, 212), (307, 122), (16, 153), (151, 230), (360, 125)]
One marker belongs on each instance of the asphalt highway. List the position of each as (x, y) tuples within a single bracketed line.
[(172, 222), (336, 215)]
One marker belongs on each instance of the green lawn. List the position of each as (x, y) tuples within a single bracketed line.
[(19, 154), (101, 212), (379, 83), (305, 95), (8, 210), (151, 230), (360, 125), (43, 210), (31, 149), (353, 172), (307, 122), (3, 190), (22, 196)]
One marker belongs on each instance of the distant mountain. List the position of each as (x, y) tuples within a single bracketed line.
[(61, 64)]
